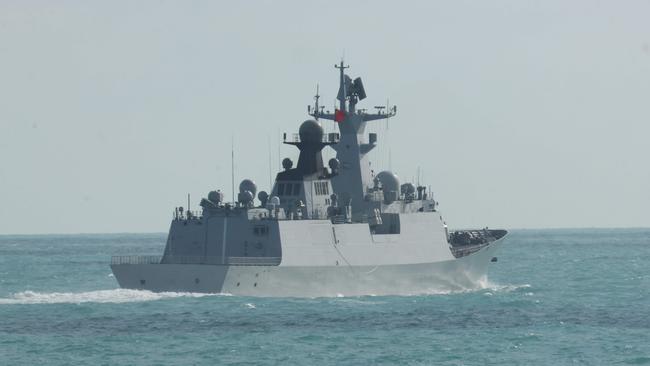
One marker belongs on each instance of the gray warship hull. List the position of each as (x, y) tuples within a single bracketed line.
[(466, 273), (314, 258)]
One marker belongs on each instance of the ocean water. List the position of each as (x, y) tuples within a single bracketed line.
[(555, 297)]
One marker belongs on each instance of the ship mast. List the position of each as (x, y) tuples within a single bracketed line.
[(351, 91), (356, 177), (342, 91)]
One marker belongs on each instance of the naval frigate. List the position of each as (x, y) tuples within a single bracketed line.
[(321, 231)]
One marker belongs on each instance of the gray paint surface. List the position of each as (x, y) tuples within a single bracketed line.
[(313, 281)]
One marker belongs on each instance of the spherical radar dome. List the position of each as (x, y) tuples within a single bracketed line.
[(389, 181), (215, 196), (246, 196), (287, 163), (263, 196), (248, 185), (311, 131)]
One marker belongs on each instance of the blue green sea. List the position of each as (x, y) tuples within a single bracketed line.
[(555, 297)]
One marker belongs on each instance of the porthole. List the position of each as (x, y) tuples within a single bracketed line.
[(196, 280), (255, 284), (237, 284), (142, 282)]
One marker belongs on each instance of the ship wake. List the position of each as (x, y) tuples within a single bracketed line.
[(99, 296)]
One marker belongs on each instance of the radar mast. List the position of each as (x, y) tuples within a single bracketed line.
[(355, 178)]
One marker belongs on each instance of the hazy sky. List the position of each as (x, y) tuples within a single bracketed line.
[(520, 114)]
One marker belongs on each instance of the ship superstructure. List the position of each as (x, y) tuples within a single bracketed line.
[(322, 230)]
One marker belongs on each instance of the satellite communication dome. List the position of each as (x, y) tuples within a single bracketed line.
[(263, 196), (311, 131), (275, 201), (389, 181), (248, 185), (215, 196), (408, 188), (287, 163), (246, 197)]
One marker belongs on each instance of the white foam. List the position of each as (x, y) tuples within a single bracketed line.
[(100, 296), (489, 288), (485, 284), (508, 288)]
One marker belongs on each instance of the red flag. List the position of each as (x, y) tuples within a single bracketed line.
[(339, 115)]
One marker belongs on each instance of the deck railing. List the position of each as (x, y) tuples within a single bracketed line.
[(233, 261), (136, 259), (326, 138)]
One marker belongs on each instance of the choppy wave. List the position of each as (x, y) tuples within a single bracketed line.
[(99, 296), (481, 287), (506, 288), (486, 286)]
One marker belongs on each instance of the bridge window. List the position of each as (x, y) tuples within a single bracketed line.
[(288, 191), (296, 189), (280, 189), (321, 188)]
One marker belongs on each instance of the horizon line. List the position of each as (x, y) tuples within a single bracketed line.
[(163, 232)]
